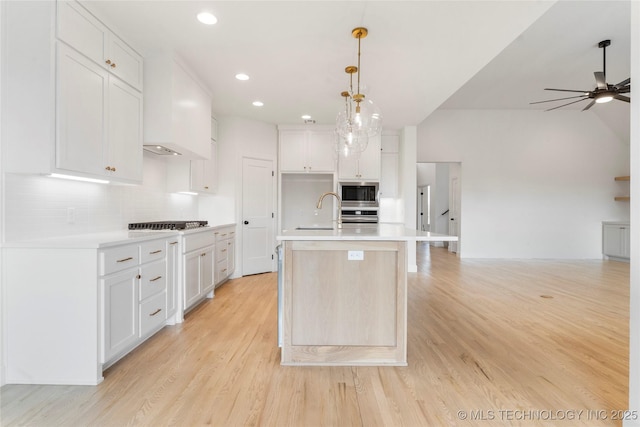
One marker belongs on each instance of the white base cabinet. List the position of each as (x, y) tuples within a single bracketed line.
[(198, 266), (76, 305), (615, 240), (225, 253)]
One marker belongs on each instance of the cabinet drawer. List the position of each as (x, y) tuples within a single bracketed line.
[(197, 241), (153, 313), (117, 259), (224, 233), (153, 279), (222, 270), (153, 250), (222, 251)]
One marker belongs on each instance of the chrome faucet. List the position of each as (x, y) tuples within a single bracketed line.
[(319, 205)]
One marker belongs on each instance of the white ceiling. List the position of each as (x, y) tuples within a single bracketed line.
[(417, 57)]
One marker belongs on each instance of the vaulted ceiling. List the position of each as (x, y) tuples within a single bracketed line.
[(419, 55)]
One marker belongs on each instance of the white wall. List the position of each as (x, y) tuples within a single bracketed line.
[(299, 199), (534, 184), (238, 138), (37, 206)]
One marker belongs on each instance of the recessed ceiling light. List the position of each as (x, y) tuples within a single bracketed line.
[(306, 117), (258, 103), (207, 18), (242, 76)]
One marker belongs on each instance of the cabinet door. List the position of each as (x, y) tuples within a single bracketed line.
[(362, 167), (172, 276), (206, 269), (231, 256), (124, 147), (81, 30), (120, 312), (321, 154), (389, 175), (613, 243), (369, 163), (80, 113), (191, 278), (293, 151), (204, 173), (124, 62)]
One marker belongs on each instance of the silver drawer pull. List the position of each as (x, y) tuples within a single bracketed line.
[(155, 312), (156, 278), (125, 259), (155, 252), (173, 243)]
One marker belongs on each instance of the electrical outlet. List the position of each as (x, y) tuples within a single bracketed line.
[(355, 255), (71, 215)]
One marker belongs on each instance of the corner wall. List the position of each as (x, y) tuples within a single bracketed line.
[(535, 184)]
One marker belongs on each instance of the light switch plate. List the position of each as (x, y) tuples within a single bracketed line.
[(355, 255)]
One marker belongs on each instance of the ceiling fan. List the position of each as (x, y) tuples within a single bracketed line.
[(603, 92)]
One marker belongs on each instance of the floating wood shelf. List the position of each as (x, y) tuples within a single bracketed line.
[(622, 198), (623, 178)]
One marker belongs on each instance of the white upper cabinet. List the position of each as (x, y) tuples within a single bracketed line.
[(73, 113), (177, 108), (81, 30), (303, 150), (389, 166), (365, 167)]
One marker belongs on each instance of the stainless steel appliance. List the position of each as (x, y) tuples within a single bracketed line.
[(167, 225), (359, 202)]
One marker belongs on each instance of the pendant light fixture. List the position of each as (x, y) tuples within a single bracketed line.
[(361, 118)]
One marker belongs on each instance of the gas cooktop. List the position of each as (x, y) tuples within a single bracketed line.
[(167, 225)]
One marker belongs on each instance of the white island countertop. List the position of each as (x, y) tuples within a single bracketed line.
[(350, 231)]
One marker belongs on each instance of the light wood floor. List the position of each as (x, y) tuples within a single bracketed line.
[(516, 342)]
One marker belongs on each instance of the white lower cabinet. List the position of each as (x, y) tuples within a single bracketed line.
[(134, 297), (225, 253), (615, 240), (77, 305), (198, 264), (120, 310)]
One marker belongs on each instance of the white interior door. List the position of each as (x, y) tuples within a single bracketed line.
[(257, 216), (453, 212)]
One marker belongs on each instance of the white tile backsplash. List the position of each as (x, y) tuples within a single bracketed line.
[(37, 206)]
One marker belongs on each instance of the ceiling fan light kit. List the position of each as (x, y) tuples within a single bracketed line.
[(603, 92), (360, 119)]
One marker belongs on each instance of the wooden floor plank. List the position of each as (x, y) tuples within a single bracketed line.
[(487, 337)]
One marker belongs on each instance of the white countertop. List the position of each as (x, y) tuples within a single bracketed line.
[(105, 239), (381, 231), (627, 222)]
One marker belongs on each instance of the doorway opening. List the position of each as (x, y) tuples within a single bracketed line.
[(438, 200)]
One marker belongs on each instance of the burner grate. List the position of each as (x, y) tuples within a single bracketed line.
[(167, 225)]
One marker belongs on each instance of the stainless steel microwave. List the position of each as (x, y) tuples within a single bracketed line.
[(359, 194)]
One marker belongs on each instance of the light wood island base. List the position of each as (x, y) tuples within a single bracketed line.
[(342, 311)]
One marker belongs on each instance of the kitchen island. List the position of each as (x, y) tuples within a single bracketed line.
[(344, 294)]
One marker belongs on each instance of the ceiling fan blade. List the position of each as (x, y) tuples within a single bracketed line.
[(569, 90), (622, 98), (623, 83), (600, 81), (589, 106), (625, 89), (563, 105), (559, 99)]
